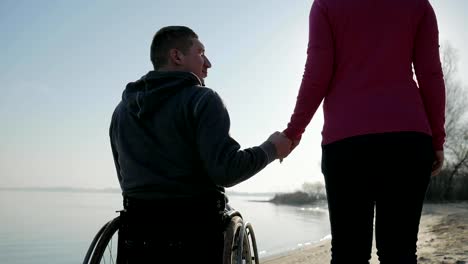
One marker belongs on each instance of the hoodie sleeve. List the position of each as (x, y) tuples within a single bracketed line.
[(220, 154)]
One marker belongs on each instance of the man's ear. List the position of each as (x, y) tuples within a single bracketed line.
[(176, 56)]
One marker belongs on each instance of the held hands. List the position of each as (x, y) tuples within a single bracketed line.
[(283, 145), (295, 143)]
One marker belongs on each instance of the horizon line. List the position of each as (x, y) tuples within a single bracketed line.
[(102, 190)]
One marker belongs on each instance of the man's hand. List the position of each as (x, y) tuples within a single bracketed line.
[(282, 143), (438, 162)]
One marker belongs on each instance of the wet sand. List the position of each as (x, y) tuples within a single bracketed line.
[(443, 238)]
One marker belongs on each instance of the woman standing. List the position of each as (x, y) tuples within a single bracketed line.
[(383, 133)]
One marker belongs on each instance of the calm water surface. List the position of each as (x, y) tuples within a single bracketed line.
[(57, 227)]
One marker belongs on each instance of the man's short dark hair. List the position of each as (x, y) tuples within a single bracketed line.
[(167, 38)]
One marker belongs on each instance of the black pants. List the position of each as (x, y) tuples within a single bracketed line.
[(389, 172), (176, 231)]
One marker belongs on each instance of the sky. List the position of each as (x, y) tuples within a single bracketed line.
[(64, 65)]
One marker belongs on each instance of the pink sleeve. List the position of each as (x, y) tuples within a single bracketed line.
[(317, 73), (429, 73)]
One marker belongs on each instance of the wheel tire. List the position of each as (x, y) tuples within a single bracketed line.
[(111, 228), (231, 236), (93, 243), (250, 234)]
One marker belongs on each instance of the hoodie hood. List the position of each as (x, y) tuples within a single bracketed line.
[(148, 93)]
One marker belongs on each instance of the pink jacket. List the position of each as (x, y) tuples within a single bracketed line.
[(359, 60)]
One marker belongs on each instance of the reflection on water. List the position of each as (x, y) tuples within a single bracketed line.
[(280, 228), (57, 227)]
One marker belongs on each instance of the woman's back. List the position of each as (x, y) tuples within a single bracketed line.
[(360, 58)]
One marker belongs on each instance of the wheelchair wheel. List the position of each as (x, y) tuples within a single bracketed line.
[(103, 248), (238, 241), (250, 235)]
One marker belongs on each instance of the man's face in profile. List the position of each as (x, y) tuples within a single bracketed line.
[(195, 60)]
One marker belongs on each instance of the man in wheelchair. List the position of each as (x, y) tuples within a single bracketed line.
[(174, 156)]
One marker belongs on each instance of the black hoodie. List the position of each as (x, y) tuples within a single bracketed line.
[(170, 139)]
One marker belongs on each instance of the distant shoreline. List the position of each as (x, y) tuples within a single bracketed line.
[(61, 189), (108, 190)]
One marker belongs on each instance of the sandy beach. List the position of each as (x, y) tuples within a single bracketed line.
[(443, 238)]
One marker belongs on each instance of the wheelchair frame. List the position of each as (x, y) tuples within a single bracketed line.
[(240, 245)]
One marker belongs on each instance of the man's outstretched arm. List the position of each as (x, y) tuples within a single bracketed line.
[(222, 158)]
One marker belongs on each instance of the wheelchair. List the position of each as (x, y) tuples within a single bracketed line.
[(239, 241)]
